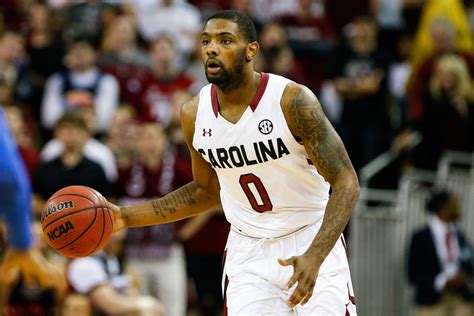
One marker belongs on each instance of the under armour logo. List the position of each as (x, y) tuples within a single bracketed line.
[(265, 127), (208, 132)]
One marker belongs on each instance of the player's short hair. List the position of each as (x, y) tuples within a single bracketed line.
[(245, 24), (437, 200)]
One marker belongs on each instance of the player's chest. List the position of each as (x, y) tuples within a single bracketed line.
[(253, 139)]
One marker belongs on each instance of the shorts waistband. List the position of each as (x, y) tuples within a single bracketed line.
[(237, 231)]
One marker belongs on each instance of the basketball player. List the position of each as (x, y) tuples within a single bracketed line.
[(20, 257), (263, 150)]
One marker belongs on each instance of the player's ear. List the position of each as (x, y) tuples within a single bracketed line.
[(252, 50)]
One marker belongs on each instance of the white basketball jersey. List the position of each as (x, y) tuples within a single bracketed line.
[(269, 187)]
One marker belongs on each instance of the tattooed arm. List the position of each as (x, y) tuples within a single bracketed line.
[(308, 123), (200, 195)]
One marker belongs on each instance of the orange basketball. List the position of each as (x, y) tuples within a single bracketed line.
[(76, 221)]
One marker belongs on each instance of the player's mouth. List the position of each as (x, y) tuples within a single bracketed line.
[(213, 66)]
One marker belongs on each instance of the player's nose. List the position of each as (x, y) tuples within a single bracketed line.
[(212, 49)]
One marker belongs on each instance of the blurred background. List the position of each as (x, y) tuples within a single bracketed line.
[(92, 91)]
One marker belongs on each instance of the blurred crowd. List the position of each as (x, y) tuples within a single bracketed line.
[(92, 93)]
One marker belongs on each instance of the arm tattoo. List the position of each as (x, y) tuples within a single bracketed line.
[(325, 148), (322, 143), (166, 206)]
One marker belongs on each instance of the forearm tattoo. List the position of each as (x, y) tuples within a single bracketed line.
[(325, 148), (168, 205)]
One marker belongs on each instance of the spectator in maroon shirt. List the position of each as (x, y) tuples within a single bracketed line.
[(311, 38), (122, 57), (154, 251), (166, 78)]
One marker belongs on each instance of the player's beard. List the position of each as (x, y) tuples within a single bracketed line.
[(228, 79)]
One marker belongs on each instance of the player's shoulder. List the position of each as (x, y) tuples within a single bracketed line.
[(296, 95), (189, 109)]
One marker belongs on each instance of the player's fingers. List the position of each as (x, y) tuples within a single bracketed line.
[(286, 262), (309, 294), (291, 282), (296, 297)]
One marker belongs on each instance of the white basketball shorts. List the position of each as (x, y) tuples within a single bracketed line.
[(254, 282)]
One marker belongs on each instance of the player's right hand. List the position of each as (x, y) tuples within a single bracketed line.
[(119, 220)]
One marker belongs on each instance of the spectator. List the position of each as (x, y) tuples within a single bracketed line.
[(389, 15), (178, 20), (440, 261), (359, 72), (120, 43), (397, 77), (94, 149), (154, 251), (11, 50), (45, 50), (448, 120), (85, 19), (411, 13), (444, 39), (283, 62), (72, 167), (311, 38), (166, 78), (81, 84), (108, 289), (122, 134), (340, 18), (124, 59), (452, 12), (277, 57)]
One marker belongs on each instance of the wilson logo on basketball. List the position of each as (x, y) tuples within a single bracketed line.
[(56, 207), (60, 230)]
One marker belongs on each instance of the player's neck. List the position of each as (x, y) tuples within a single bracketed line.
[(241, 95)]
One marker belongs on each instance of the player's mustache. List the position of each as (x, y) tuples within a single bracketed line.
[(214, 62)]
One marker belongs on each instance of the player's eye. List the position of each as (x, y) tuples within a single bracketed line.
[(226, 41), (205, 42)]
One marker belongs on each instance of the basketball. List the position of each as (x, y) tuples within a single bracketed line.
[(76, 221)]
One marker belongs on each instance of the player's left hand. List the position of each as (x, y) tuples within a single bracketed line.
[(305, 272)]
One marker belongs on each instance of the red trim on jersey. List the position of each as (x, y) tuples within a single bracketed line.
[(310, 162), (214, 101), (345, 247), (347, 312), (260, 91), (256, 99)]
